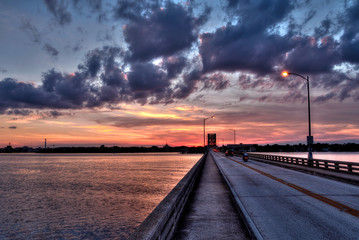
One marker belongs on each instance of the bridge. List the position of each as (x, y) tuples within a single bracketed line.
[(265, 198)]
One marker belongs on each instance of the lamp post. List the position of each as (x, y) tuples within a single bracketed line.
[(234, 136), (204, 132), (309, 137)]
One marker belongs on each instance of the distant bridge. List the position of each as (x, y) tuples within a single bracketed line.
[(227, 198)]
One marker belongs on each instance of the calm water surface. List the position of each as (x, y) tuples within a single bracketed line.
[(83, 196), (336, 156)]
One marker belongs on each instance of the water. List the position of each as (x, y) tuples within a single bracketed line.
[(336, 156), (83, 196)]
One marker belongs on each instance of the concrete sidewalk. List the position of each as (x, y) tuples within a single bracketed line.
[(210, 212)]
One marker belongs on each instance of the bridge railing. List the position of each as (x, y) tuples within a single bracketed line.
[(161, 223), (338, 166)]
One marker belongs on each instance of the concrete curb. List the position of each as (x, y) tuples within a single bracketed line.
[(252, 228), (161, 223)]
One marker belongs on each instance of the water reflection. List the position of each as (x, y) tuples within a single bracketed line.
[(83, 196)]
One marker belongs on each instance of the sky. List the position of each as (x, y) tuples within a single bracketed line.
[(147, 73)]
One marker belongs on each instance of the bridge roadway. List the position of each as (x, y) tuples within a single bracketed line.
[(276, 203)]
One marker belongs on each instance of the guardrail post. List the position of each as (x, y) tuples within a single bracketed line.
[(326, 164), (336, 166), (350, 168), (310, 162)]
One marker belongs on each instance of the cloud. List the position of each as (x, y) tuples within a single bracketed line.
[(149, 81), (325, 97), (50, 50), (30, 30), (22, 112), (247, 45), (36, 113), (350, 40), (12, 127), (160, 33), (36, 36), (134, 10), (258, 15), (2, 70), (309, 57), (168, 33), (102, 81), (232, 49), (59, 10)]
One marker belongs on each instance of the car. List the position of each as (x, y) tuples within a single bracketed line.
[(245, 157), (229, 152)]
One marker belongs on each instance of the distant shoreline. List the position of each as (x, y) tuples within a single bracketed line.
[(317, 147)]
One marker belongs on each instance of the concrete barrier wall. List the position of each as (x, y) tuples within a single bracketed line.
[(161, 223)]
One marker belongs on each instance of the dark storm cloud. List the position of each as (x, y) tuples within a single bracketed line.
[(165, 31), (257, 15), (231, 49), (175, 65), (324, 29), (147, 80), (50, 50), (101, 81), (247, 45), (308, 57), (58, 8), (350, 40), (14, 94)]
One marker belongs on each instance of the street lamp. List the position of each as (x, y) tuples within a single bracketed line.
[(234, 136), (309, 137), (204, 131)]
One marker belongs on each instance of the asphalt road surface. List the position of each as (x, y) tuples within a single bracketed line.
[(287, 204)]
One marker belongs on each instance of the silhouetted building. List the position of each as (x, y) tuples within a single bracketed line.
[(212, 140)]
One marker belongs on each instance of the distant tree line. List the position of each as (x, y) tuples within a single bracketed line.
[(317, 147), (116, 149)]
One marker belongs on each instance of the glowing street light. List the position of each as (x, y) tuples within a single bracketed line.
[(204, 131), (309, 137), (285, 74)]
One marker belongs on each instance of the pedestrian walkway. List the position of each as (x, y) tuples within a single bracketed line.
[(211, 213)]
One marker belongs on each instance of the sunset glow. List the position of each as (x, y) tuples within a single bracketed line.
[(117, 74)]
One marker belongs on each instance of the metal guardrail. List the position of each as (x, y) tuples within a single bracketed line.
[(338, 166), (161, 223)]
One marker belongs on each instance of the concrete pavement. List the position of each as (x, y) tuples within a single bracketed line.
[(211, 213)]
